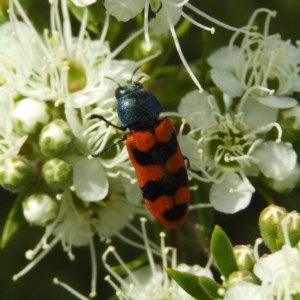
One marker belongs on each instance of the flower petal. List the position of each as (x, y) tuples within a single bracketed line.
[(296, 86), (90, 180), (246, 291), (194, 107), (276, 160), (287, 184), (159, 23), (227, 82), (257, 115), (277, 101), (124, 10), (232, 194), (222, 58)]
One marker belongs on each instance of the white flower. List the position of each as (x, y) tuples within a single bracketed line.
[(64, 68), (76, 226), (61, 81), (227, 150), (167, 14), (246, 291), (261, 63), (13, 58), (151, 281), (279, 272)]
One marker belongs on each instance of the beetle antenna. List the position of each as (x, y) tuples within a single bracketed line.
[(113, 80), (134, 72)]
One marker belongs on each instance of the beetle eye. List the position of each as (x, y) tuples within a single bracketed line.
[(138, 84), (119, 92)]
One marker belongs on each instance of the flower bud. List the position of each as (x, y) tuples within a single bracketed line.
[(240, 277), (55, 138), (57, 172), (16, 173), (268, 224), (39, 209), (30, 115), (244, 256), (289, 225)]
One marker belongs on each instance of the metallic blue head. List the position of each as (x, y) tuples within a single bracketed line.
[(136, 106)]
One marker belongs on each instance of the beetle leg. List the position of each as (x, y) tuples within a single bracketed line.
[(96, 116), (98, 153)]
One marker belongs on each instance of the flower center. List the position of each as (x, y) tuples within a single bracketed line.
[(70, 75), (76, 76), (228, 143)]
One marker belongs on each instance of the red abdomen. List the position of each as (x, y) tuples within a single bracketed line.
[(161, 172)]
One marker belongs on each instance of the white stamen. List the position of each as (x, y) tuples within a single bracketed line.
[(105, 29), (187, 17), (69, 289), (146, 26), (211, 19), (164, 258), (147, 246), (81, 34), (179, 51), (93, 292), (111, 249), (33, 263)]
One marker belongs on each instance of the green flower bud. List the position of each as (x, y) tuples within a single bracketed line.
[(55, 138), (39, 209), (268, 224), (16, 173), (244, 256), (30, 115), (57, 172), (240, 277), (289, 224)]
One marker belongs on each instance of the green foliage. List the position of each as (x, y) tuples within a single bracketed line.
[(14, 221), (202, 288), (222, 252)]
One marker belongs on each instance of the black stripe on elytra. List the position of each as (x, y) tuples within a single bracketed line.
[(167, 185), (175, 213), (158, 154)]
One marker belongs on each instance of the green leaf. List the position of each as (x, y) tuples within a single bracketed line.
[(222, 252), (201, 288), (210, 287), (14, 222)]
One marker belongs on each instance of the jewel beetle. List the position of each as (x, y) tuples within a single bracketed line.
[(154, 152)]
